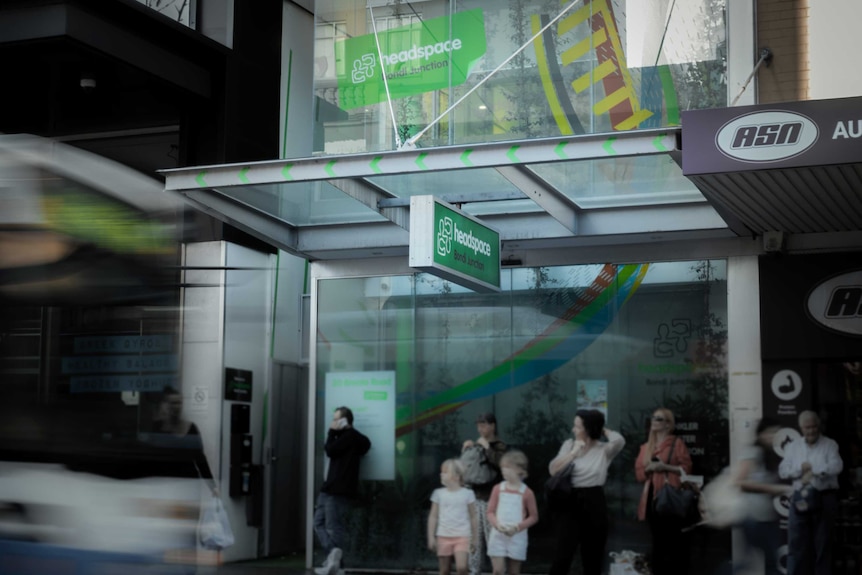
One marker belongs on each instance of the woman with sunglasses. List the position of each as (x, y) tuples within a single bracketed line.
[(663, 458)]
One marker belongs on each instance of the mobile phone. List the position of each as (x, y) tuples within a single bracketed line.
[(655, 459)]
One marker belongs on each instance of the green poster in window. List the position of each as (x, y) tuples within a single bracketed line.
[(430, 55)]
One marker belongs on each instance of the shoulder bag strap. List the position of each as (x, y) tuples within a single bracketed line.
[(670, 455), (672, 449)]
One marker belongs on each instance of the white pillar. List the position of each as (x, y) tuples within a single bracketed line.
[(745, 395)]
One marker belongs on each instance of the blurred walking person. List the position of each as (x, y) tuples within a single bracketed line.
[(759, 486)]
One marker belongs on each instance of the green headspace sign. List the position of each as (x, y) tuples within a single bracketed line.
[(430, 55), (453, 245)]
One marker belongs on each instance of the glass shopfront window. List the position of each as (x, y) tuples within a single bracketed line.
[(624, 339), (386, 71)]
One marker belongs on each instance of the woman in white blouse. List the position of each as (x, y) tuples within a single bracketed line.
[(583, 519)]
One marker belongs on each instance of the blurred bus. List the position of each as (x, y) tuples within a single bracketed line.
[(90, 285)]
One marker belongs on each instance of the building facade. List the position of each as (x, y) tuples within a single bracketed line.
[(626, 282)]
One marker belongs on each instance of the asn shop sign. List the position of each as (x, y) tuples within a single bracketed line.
[(837, 303), (797, 134), (767, 136), (453, 245)]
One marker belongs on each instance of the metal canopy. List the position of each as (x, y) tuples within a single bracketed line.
[(805, 179), (793, 200), (558, 192)]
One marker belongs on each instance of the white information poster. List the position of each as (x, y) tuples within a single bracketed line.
[(593, 394), (371, 397)]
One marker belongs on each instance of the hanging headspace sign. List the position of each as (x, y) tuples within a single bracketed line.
[(429, 55), (452, 245)]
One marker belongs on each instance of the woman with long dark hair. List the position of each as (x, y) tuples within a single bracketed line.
[(583, 516), (664, 458)]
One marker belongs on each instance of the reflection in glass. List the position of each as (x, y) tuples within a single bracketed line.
[(603, 66), (629, 336)]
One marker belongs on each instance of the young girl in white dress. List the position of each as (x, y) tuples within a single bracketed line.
[(511, 511), (452, 524)]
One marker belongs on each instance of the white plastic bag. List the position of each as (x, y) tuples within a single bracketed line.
[(628, 563), (725, 503), (214, 529), (623, 569)]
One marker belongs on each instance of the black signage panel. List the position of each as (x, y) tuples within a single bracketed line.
[(237, 384), (809, 308), (772, 136)]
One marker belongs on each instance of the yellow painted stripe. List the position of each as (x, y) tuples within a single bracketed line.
[(547, 82), (604, 69), (617, 48), (583, 47), (579, 16), (632, 122), (605, 104)]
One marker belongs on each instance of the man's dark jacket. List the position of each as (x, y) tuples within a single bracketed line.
[(345, 448)]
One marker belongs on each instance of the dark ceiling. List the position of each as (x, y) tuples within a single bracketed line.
[(112, 77)]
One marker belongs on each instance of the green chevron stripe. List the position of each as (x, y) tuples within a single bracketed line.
[(559, 149), (511, 154), (373, 165), (420, 161), (465, 158), (329, 169)]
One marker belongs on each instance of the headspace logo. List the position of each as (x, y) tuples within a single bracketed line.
[(363, 68), (421, 52), (448, 231), (768, 136), (837, 303), (444, 236), (435, 54)]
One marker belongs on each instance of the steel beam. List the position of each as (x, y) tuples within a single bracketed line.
[(647, 223), (372, 196), (249, 219), (368, 165), (544, 194)]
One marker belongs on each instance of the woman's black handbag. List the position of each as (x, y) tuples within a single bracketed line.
[(559, 485), (679, 502)]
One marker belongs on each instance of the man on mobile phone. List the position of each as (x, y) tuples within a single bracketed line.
[(345, 447)]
